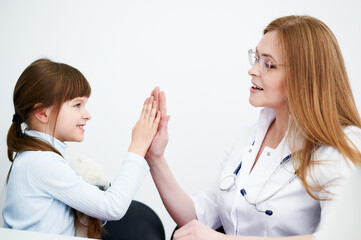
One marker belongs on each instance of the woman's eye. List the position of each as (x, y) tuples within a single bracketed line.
[(269, 64), (77, 105)]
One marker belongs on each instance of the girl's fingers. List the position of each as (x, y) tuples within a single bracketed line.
[(149, 106), (142, 115), (147, 109), (152, 113)]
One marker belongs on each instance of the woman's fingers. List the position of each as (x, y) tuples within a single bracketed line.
[(157, 120), (162, 103), (196, 230), (155, 94), (181, 233)]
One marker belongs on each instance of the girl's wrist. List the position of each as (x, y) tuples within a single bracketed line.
[(134, 149)]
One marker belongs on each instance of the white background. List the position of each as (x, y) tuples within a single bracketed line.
[(195, 50)]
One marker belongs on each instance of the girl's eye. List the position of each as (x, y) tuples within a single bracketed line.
[(77, 105)]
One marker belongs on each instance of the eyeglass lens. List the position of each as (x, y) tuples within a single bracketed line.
[(254, 59)]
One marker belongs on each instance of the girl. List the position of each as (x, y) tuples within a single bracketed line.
[(276, 180), (50, 98)]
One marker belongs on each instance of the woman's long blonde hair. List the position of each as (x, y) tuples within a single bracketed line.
[(319, 95)]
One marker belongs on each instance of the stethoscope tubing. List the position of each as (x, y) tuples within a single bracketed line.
[(228, 183), (232, 185)]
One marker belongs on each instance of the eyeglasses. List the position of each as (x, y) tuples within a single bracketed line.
[(264, 62)]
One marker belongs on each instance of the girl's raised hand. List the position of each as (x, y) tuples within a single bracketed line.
[(146, 127)]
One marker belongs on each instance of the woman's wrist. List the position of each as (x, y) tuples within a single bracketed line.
[(154, 161)]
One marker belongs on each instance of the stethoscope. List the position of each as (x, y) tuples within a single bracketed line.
[(228, 183)]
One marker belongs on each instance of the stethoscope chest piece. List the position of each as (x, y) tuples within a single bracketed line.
[(228, 183)]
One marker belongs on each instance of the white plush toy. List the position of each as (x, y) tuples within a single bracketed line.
[(92, 173)]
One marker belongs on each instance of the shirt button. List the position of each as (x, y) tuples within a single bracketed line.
[(250, 150), (268, 153)]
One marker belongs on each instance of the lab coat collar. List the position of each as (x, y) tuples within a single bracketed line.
[(266, 117)]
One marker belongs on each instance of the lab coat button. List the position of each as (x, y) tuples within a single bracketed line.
[(250, 150), (268, 153)]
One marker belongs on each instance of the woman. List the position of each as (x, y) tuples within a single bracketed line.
[(289, 165)]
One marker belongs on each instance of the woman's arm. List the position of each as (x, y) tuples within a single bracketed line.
[(197, 231), (178, 203)]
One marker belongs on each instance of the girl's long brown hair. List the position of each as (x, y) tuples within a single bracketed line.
[(43, 84), (319, 95)]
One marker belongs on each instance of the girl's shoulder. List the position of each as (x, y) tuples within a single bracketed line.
[(32, 165), (39, 158)]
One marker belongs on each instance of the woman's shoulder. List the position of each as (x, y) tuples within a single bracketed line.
[(331, 163), (353, 134), (244, 136)]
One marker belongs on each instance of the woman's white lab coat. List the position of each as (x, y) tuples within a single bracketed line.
[(295, 212)]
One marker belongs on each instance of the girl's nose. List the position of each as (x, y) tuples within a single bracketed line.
[(87, 115)]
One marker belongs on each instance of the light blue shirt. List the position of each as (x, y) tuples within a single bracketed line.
[(42, 189)]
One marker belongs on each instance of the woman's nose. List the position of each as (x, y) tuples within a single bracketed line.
[(255, 70)]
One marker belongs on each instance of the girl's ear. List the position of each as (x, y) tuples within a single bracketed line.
[(42, 114)]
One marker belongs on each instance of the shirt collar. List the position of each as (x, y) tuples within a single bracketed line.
[(266, 117), (58, 145)]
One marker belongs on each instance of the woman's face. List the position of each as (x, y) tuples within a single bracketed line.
[(268, 87)]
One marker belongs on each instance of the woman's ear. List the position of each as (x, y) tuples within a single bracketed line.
[(42, 114)]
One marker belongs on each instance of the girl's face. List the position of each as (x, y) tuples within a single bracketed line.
[(71, 120), (268, 87)]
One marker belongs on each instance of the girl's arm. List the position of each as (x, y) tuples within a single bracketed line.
[(178, 204), (50, 174)]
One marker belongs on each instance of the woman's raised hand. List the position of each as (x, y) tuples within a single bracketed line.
[(146, 127), (160, 141)]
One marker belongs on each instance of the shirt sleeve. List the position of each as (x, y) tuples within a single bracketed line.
[(53, 176), (346, 209), (332, 170), (205, 202)]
